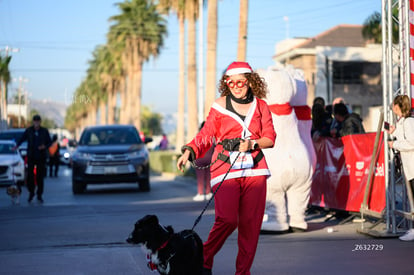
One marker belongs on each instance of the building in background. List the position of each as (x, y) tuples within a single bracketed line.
[(339, 63)]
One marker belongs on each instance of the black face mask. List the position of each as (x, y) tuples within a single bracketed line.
[(247, 100)]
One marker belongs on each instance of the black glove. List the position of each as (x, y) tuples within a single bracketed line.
[(231, 144)]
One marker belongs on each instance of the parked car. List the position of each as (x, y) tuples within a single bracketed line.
[(110, 154), (15, 134), (11, 164)]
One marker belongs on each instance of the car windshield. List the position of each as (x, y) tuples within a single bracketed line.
[(113, 136), (7, 149), (11, 135)]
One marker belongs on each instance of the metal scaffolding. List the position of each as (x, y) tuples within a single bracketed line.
[(397, 215)]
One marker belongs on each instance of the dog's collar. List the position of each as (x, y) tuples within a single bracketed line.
[(163, 245), (152, 266)]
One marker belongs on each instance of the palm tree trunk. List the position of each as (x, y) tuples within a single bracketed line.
[(211, 56), (138, 95), (181, 87), (242, 45), (3, 106), (123, 105), (111, 101), (192, 79), (102, 108)]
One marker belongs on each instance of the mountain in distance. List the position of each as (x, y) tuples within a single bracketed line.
[(56, 111), (52, 110)]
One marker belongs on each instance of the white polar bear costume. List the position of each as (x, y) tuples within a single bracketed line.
[(292, 160)]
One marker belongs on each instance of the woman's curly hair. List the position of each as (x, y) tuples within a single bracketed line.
[(257, 85)]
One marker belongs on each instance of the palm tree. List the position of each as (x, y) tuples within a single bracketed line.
[(183, 9), (191, 16), (4, 81), (211, 56), (109, 73), (372, 28), (140, 29), (242, 45)]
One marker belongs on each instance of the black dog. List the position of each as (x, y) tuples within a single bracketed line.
[(168, 252)]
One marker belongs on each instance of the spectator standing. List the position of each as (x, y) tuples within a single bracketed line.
[(203, 174), (54, 157), (38, 141), (403, 132), (350, 123), (321, 119), (163, 143), (241, 123)]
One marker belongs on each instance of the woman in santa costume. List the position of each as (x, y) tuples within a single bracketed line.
[(240, 124)]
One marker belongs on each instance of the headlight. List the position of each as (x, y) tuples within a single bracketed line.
[(66, 155), (138, 154), (15, 164)]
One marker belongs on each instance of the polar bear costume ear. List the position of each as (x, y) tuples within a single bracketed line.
[(280, 84)]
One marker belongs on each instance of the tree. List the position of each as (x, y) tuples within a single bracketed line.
[(4, 81), (242, 45), (192, 118), (140, 31), (211, 56), (150, 122), (372, 27)]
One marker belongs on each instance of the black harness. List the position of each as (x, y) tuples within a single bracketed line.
[(226, 159)]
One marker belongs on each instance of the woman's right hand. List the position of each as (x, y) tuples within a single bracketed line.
[(392, 129), (182, 161)]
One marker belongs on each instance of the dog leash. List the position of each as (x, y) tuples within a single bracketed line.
[(214, 193)]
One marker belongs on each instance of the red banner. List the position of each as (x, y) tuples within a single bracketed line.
[(342, 170)]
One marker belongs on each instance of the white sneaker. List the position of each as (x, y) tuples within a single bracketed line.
[(408, 236), (208, 196), (198, 197)]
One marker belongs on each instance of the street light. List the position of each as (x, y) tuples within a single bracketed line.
[(19, 90), (286, 19), (8, 49)]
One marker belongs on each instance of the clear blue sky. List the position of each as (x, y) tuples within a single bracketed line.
[(56, 40)]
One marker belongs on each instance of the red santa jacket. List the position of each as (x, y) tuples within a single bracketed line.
[(223, 124)]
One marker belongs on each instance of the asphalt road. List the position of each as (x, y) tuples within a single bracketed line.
[(85, 234)]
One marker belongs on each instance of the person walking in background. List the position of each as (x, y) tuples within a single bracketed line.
[(38, 141), (240, 124), (203, 174), (163, 143), (403, 132), (54, 157)]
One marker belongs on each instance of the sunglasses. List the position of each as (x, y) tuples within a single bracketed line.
[(238, 83)]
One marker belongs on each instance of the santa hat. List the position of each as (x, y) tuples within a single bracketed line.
[(238, 68)]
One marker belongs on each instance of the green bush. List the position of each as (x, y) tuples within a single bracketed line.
[(166, 162)]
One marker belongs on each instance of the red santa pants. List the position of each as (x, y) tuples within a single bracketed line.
[(239, 203)]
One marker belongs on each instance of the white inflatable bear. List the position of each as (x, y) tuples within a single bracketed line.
[(292, 160)]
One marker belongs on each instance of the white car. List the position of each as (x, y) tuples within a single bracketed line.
[(11, 164)]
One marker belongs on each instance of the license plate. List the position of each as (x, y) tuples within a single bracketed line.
[(110, 170)]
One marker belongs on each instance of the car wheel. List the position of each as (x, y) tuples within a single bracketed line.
[(78, 187), (144, 184)]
